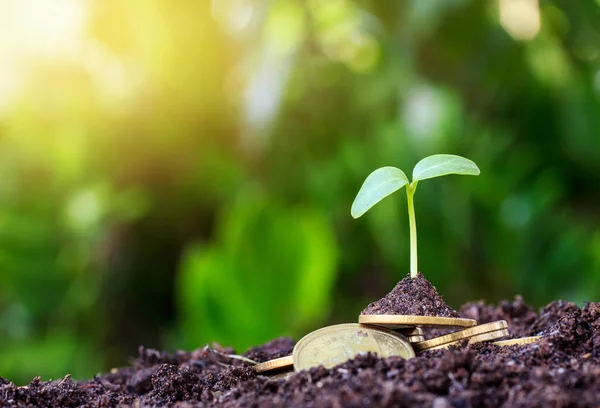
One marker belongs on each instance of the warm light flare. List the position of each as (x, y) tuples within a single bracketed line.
[(520, 18), (41, 27), (33, 29)]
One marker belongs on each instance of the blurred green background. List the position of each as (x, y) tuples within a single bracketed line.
[(177, 173)]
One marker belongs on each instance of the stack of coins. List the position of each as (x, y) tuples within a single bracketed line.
[(409, 325), (475, 334), (386, 336)]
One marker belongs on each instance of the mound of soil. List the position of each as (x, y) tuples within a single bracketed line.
[(562, 369), (415, 296)]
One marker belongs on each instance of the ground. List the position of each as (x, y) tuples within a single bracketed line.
[(562, 370)]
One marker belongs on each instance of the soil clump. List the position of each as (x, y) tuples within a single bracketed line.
[(412, 296), (281, 347), (562, 369)]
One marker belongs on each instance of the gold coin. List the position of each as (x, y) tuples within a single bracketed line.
[(460, 335), (415, 339), (336, 344), (517, 342), (407, 321), (476, 339), (275, 364), (495, 335)]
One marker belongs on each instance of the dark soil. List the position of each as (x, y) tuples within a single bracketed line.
[(561, 370), (412, 297), (522, 319), (280, 347)]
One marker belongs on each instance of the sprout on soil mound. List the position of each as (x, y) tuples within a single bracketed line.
[(386, 180)]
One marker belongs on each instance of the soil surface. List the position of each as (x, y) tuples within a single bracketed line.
[(561, 370), (412, 297)]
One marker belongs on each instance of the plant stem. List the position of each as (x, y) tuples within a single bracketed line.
[(410, 192)]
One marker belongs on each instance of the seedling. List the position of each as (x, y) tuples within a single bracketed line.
[(386, 180)]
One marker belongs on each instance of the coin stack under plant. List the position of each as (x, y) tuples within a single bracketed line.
[(475, 334), (386, 336), (407, 325)]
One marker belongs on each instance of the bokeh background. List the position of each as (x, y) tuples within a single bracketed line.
[(174, 173)]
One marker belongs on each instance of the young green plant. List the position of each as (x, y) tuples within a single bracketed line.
[(386, 180)]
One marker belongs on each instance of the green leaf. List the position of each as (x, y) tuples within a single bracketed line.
[(378, 185), (443, 164)]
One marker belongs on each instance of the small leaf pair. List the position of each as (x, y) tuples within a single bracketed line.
[(386, 180)]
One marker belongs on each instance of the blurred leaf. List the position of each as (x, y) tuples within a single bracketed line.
[(55, 356), (443, 164), (270, 272), (313, 287), (378, 185)]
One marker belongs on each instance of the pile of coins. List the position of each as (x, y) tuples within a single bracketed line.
[(386, 336)]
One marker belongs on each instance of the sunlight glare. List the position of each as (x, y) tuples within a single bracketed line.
[(520, 18), (35, 29), (41, 27)]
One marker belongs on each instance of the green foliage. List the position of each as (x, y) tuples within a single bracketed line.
[(386, 180), (378, 185), (443, 164), (55, 355), (268, 272)]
